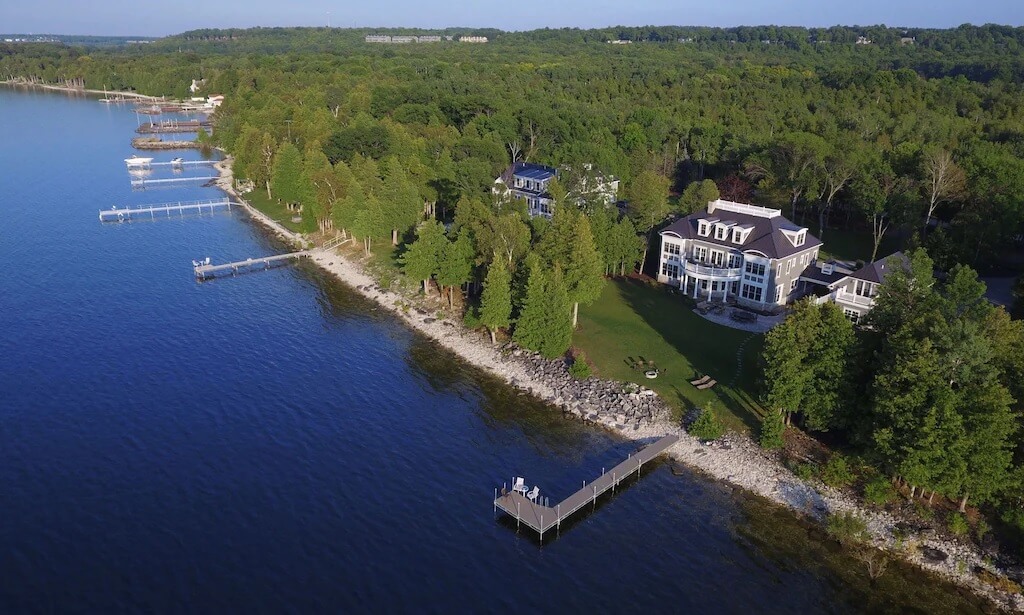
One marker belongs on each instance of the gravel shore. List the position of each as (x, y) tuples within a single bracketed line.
[(640, 414)]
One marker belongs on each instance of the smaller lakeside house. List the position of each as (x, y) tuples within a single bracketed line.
[(734, 252), (529, 181), (854, 291)]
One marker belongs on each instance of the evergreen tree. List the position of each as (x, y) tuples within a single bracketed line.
[(787, 373), (455, 265), (287, 174), (370, 223), (400, 199), (532, 324), (496, 301), (423, 258), (707, 426), (318, 193), (584, 276), (648, 204), (827, 362), (558, 317), (349, 197), (773, 426)]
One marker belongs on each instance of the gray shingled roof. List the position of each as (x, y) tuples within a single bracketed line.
[(876, 271), (767, 236)]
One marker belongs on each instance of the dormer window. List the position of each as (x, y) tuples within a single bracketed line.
[(741, 233), (801, 237), (720, 232), (703, 228)]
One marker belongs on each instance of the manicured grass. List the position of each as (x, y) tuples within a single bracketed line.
[(258, 199), (844, 244), (639, 320)]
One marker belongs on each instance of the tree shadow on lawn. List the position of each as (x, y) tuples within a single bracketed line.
[(708, 348)]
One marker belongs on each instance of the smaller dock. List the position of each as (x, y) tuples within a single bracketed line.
[(154, 143), (180, 164), (141, 182), (205, 270), (540, 518), (126, 214), (173, 126)]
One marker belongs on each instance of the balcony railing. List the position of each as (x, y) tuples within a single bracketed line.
[(699, 269), (854, 299)]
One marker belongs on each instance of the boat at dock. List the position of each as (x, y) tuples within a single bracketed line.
[(137, 161)]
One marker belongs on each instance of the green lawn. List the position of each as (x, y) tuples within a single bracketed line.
[(637, 320), (277, 211)]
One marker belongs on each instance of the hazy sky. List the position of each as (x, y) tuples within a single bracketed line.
[(128, 17)]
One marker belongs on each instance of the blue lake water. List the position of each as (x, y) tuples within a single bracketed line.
[(272, 442)]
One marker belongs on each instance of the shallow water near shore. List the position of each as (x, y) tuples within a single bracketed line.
[(274, 442)]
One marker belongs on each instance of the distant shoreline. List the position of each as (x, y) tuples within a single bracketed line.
[(63, 88)]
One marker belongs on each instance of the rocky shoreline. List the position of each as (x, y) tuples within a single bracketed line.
[(638, 413)]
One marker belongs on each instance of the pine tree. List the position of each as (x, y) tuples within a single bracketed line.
[(827, 363), (424, 255), (400, 200), (532, 324), (317, 195), (370, 223), (707, 426), (455, 265), (351, 198), (287, 174), (496, 301), (785, 357), (773, 426), (584, 277), (558, 321)]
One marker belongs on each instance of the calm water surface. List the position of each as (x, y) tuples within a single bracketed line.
[(274, 443)]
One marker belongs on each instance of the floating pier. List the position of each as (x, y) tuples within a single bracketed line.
[(125, 214), (204, 269), (540, 518)]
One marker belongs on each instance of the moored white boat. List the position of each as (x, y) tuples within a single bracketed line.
[(137, 161)]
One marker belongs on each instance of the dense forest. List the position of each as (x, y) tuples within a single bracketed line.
[(909, 134)]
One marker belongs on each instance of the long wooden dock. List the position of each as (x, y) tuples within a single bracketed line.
[(204, 269), (540, 518), (125, 214)]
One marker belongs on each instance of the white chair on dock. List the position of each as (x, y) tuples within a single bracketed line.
[(519, 485), (532, 495)]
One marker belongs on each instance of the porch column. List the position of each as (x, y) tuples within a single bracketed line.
[(696, 284), (711, 285), (686, 280)]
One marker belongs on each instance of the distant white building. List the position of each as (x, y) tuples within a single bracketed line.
[(401, 40), (472, 39), (197, 84), (621, 42), (377, 38), (863, 40), (430, 39)]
